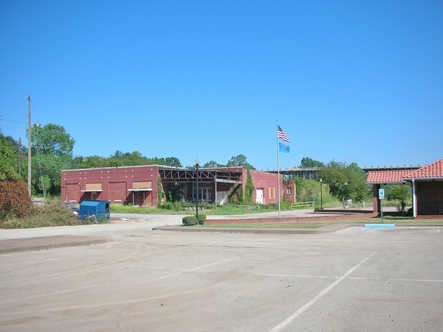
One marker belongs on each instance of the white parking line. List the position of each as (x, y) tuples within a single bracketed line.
[(318, 297), (189, 270), (310, 276)]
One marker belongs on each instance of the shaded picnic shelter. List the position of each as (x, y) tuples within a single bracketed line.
[(426, 182)]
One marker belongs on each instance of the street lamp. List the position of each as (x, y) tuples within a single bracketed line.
[(196, 194), (321, 194), (346, 194)]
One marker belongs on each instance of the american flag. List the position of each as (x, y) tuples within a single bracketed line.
[(281, 134)]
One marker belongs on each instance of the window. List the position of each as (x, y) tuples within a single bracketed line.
[(204, 193), (288, 191)]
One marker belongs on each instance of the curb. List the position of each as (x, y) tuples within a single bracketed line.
[(48, 242), (321, 230)]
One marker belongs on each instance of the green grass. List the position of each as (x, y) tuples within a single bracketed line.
[(271, 225), (222, 210), (118, 208), (398, 221)]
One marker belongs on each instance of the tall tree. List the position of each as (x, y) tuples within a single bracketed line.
[(307, 162), (239, 160), (211, 164), (52, 149), (52, 139), (173, 161), (345, 182), (8, 159)]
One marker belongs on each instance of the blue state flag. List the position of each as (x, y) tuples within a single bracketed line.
[(283, 147)]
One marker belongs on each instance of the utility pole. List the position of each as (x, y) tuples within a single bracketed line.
[(19, 156), (29, 144)]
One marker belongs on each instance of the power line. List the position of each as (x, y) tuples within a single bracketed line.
[(12, 121), (13, 107), (13, 84)]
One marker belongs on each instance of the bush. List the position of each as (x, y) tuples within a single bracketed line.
[(201, 219), (15, 201), (48, 215), (189, 221)]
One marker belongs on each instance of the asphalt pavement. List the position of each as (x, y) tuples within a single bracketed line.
[(15, 240), (137, 279)]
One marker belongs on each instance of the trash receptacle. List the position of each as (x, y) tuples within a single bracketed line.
[(98, 210)]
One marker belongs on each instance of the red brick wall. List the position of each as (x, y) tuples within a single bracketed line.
[(117, 180), (267, 181), (105, 176), (292, 197), (429, 197)]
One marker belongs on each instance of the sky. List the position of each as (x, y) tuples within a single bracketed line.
[(350, 81)]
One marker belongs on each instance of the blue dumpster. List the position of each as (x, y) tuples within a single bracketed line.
[(97, 210)]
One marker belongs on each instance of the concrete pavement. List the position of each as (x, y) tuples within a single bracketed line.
[(16, 240), (354, 279)]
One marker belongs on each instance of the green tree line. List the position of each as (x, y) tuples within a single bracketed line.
[(52, 151)]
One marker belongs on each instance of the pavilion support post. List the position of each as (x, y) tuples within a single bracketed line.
[(375, 200)]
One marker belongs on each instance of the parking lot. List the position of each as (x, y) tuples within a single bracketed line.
[(355, 279)]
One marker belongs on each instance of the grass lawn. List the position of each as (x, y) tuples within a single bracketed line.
[(220, 211), (398, 221)]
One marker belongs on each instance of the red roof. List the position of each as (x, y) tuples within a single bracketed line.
[(387, 176), (431, 171)]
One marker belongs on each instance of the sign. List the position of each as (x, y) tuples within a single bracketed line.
[(381, 193)]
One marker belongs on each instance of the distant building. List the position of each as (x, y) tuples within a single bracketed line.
[(140, 185), (426, 182)]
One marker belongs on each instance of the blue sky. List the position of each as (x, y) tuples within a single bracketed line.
[(351, 81)]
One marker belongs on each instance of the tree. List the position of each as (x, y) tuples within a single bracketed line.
[(212, 164), (127, 159), (239, 160), (8, 159), (14, 195), (52, 139), (401, 193), (345, 182), (120, 158), (360, 173), (89, 162), (172, 161), (52, 150), (307, 162)]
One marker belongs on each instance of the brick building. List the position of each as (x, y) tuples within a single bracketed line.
[(426, 182), (140, 185)]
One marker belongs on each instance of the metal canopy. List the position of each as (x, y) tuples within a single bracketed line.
[(204, 175)]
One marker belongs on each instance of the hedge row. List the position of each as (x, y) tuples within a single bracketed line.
[(192, 220)]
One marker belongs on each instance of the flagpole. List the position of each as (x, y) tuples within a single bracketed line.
[(278, 170)]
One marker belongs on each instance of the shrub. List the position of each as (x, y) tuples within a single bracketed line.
[(189, 220), (48, 215), (201, 219), (15, 201)]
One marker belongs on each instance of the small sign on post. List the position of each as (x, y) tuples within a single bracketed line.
[(381, 193), (381, 197)]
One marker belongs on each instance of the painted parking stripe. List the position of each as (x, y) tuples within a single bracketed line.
[(318, 297), (189, 270)]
